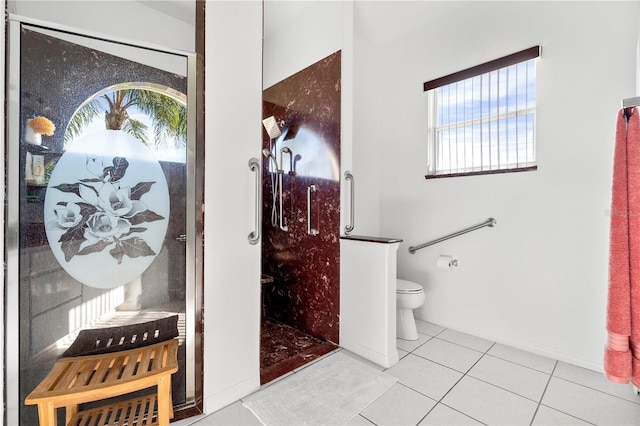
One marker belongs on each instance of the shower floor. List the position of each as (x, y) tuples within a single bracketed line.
[(283, 349)]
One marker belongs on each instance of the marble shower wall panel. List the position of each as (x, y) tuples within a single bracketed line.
[(306, 268)]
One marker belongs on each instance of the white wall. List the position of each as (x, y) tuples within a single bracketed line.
[(232, 266), (538, 280), (368, 111), (298, 34)]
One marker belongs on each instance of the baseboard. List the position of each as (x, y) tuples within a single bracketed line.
[(376, 357), (228, 396), (527, 345)]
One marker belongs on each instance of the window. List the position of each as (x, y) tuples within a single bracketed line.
[(482, 119)]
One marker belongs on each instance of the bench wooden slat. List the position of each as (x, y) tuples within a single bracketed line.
[(68, 379), (143, 364), (87, 370), (130, 368), (134, 412), (115, 369), (100, 372)]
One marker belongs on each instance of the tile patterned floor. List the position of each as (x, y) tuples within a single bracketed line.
[(283, 349), (452, 378)]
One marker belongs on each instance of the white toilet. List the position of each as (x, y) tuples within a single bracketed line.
[(409, 296)]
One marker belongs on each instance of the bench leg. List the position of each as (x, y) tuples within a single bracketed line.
[(71, 411), (47, 414), (165, 401)]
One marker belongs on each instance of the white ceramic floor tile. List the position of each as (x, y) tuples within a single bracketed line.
[(449, 354), (234, 414), (590, 405), (402, 353), (424, 376), (442, 415), (359, 421), (524, 381), (528, 359), (428, 328), (595, 380), (398, 406), (411, 345), (464, 339), (546, 416), (490, 404)]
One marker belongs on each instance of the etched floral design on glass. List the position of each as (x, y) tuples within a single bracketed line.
[(108, 199)]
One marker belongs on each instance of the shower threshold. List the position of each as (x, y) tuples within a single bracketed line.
[(284, 348)]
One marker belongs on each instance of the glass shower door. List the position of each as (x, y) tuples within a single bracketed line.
[(100, 206)]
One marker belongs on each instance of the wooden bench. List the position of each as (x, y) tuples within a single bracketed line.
[(107, 373)]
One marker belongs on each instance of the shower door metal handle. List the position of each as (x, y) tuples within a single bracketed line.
[(352, 217), (254, 236), (310, 229)]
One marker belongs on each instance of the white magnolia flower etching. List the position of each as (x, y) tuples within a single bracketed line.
[(118, 202), (105, 227), (67, 216), (100, 213)]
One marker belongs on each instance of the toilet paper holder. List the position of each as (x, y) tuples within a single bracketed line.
[(446, 262)]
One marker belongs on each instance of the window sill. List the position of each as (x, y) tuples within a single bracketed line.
[(482, 172)]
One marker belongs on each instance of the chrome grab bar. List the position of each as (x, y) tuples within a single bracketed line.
[(310, 229), (491, 222), (254, 236), (348, 228), (283, 222)]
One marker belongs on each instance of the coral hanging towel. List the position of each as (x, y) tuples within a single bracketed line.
[(622, 353)]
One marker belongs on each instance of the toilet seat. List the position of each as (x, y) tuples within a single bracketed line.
[(407, 287)]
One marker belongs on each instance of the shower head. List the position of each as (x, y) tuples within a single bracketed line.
[(268, 154), (272, 127)]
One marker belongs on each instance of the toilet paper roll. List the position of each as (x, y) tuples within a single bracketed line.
[(446, 262)]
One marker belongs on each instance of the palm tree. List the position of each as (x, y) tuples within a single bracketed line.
[(168, 116)]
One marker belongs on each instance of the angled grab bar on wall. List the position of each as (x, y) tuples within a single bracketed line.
[(254, 236), (348, 228), (491, 222)]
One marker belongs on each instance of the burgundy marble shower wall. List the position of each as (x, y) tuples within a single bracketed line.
[(306, 268)]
